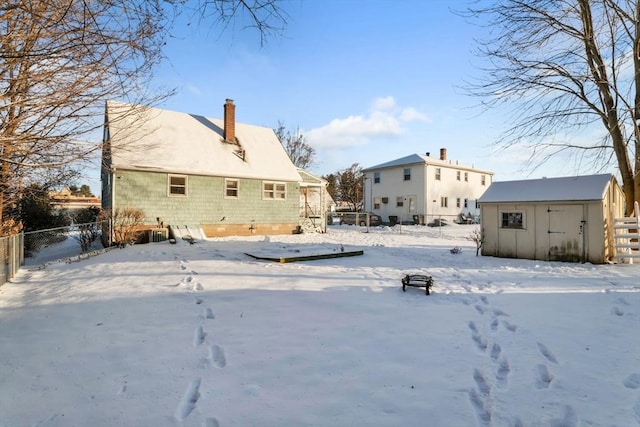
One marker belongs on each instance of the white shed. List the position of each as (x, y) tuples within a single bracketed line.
[(552, 219)]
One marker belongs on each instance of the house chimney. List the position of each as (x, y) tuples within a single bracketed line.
[(229, 122), (443, 154), (428, 154)]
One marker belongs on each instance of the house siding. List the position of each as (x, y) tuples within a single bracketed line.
[(426, 190), (206, 205)]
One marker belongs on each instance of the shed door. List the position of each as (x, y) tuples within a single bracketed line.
[(566, 234)]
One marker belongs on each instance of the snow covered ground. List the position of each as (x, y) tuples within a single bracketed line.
[(204, 335)]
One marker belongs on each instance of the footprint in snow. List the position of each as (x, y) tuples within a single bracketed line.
[(547, 353), (481, 382), (543, 377), (479, 309), (189, 399), (198, 301), (617, 311), (495, 352), (211, 422), (480, 342), (217, 357), (472, 326), (198, 336), (632, 381), (484, 415), (510, 326), (208, 314), (503, 373)]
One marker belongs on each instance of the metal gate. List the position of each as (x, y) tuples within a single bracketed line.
[(566, 233)]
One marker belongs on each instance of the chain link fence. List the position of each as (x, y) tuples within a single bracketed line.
[(11, 254), (58, 243)]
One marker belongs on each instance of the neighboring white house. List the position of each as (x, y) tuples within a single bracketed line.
[(420, 188), (552, 219)]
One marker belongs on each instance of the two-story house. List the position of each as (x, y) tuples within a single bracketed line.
[(420, 188)]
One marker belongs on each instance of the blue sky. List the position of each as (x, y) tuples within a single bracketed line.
[(365, 81)]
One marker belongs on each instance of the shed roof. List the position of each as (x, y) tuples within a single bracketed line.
[(572, 188), (154, 139), (425, 160)]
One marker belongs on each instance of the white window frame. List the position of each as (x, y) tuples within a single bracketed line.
[(483, 180), (227, 181), (278, 190), (171, 186), (399, 202), (512, 219), (438, 174), (458, 175), (457, 202), (444, 202), (466, 177), (407, 174), (376, 177), (376, 202)]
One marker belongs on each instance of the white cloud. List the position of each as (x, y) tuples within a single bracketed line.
[(385, 120), (383, 104), (410, 114)]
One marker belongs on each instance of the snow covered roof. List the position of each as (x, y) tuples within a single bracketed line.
[(427, 160), (572, 188), (153, 139), (309, 179)]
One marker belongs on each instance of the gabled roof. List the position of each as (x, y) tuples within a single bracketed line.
[(572, 188), (309, 179), (173, 142), (425, 160)]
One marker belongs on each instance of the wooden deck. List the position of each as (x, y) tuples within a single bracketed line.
[(295, 257)]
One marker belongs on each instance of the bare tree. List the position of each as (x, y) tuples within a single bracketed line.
[(61, 59), (563, 66), (350, 186), (300, 152)]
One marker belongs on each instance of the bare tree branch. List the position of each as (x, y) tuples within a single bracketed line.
[(563, 66)]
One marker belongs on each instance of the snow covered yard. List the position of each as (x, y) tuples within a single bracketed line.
[(204, 335)]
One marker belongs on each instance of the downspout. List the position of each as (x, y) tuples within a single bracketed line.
[(113, 204)]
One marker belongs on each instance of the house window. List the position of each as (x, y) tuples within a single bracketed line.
[(274, 190), (399, 202), (458, 175), (444, 202), (177, 185), (376, 202), (483, 180), (466, 177), (458, 202), (407, 174), (466, 203), (376, 177), (231, 188), (437, 174), (512, 219)]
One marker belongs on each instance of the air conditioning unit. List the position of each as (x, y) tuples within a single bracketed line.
[(385, 200), (158, 235)]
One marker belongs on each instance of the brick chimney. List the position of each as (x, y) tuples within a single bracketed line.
[(229, 122), (443, 154)]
